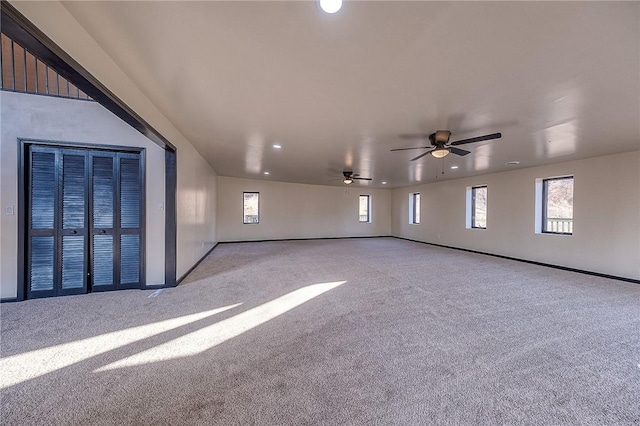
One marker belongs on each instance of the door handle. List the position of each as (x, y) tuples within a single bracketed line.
[(102, 231), (74, 232)]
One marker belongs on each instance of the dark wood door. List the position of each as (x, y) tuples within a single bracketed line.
[(116, 221), (85, 216), (57, 218)]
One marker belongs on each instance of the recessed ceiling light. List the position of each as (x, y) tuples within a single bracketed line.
[(384, 182), (454, 167), (277, 146), (266, 173), (331, 6), (512, 163)]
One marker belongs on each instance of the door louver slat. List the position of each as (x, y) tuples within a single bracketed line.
[(73, 191), (41, 268), (73, 261), (102, 260), (43, 184), (103, 188), (129, 192), (129, 259)]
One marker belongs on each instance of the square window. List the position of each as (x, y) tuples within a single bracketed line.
[(251, 207), (557, 205), (364, 208)]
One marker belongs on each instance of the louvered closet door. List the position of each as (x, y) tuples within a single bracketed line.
[(57, 233), (42, 258), (73, 230), (103, 197), (130, 220), (116, 236)]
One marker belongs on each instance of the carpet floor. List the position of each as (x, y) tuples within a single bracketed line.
[(337, 332)]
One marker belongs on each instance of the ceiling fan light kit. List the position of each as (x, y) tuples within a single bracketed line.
[(440, 152)]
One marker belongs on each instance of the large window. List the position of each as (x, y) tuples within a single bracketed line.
[(251, 207), (364, 208), (557, 208), (479, 207), (414, 207)]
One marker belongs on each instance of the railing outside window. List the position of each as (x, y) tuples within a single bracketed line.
[(559, 225)]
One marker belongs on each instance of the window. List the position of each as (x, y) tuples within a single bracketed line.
[(476, 212), (364, 208), (251, 207), (414, 207), (479, 207), (557, 205)]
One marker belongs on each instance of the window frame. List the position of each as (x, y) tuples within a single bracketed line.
[(544, 206), (368, 208), (244, 222), (473, 206)]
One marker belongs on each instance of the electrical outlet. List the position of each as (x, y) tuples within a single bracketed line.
[(8, 210), (160, 205)]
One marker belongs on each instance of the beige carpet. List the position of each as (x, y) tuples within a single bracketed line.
[(359, 331)]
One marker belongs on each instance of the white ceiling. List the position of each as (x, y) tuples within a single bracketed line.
[(560, 80)]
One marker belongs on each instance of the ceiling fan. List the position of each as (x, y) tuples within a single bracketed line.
[(349, 177), (440, 145)]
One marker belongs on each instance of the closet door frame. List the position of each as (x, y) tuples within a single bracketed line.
[(23, 187)]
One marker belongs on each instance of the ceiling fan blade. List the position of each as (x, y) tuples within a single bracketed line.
[(416, 147), (458, 151), (414, 136), (359, 178), (421, 155), (478, 139)]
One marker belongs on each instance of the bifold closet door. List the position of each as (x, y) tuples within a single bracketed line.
[(130, 219), (116, 217), (84, 221), (57, 222)]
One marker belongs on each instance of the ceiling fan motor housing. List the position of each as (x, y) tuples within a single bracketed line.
[(440, 137)]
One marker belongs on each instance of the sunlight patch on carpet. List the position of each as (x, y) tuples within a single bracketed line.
[(29, 365), (208, 337)]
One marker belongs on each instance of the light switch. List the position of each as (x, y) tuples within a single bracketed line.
[(8, 210)]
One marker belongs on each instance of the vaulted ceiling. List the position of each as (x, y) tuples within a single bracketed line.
[(560, 80)]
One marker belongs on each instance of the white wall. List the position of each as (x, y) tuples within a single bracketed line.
[(66, 120), (606, 237), (291, 210), (196, 198), (196, 209)]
